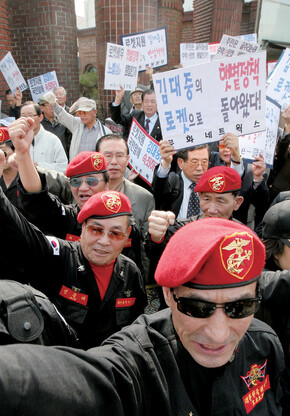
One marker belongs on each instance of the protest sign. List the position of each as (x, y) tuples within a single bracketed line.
[(278, 83), (234, 46), (121, 67), (264, 142), (199, 104), (212, 50), (152, 46), (42, 84), (194, 53), (270, 67), (12, 74), (250, 37), (144, 152), (7, 121)]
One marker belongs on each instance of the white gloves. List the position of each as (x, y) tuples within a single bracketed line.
[(50, 98)]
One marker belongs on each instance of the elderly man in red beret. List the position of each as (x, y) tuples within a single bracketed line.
[(97, 289), (203, 355), (87, 173)]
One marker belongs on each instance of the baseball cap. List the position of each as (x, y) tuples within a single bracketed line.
[(137, 89), (276, 222), (211, 253), (86, 104), (42, 101), (106, 204), (219, 179)]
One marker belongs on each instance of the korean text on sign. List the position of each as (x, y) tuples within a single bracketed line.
[(42, 84), (121, 67), (278, 83), (12, 74), (152, 46), (199, 104), (144, 152)]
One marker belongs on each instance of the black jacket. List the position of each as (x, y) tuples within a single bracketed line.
[(59, 269), (142, 370)]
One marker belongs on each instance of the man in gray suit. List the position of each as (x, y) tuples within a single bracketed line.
[(116, 152)]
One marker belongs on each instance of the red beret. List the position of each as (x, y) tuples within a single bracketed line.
[(211, 253), (86, 163), (106, 204), (4, 135), (220, 179)]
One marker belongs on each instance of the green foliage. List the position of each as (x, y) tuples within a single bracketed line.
[(89, 85)]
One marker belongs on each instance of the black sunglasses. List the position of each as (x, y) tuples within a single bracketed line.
[(76, 182), (237, 309)]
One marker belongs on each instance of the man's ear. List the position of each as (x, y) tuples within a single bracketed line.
[(239, 201), (167, 295), (180, 163), (129, 231)]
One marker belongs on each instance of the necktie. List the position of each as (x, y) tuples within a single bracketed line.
[(147, 125), (193, 203)]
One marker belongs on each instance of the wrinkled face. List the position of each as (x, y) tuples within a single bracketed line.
[(47, 110), (60, 96), (9, 152), (101, 250), (149, 105), (210, 341), (29, 111), (136, 98), (87, 117), (11, 100), (283, 259), (84, 191), (225, 152), (219, 205), (115, 152), (196, 164)]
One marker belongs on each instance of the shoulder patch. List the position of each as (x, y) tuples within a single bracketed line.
[(54, 244)]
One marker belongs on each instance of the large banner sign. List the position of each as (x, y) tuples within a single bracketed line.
[(42, 84), (144, 152), (199, 104), (121, 68), (278, 83), (194, 53), (263, 142), (12, 74), (152, 46)]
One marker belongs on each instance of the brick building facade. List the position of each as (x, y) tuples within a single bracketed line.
[(42, 36)]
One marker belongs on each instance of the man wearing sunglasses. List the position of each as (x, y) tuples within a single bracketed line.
[(203, 355)]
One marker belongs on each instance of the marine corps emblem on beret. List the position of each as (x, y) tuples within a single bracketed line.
[(237, 254), (2, 136), (112, 202), (217, 183), (97, 161)]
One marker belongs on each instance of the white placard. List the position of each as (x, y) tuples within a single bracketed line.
[(199, 104), (7, 121), (234, 46), (12, 74), (264, 142), (250, 37), (278, 83), (270, 67), (152, 46), (212, 50), (144, 152), (121, 68), (194, 53), (41, 84)]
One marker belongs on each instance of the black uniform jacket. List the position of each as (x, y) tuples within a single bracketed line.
[(142, 370), (59, 269), (47, 212)]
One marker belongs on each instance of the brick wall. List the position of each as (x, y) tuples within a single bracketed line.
[(5, 42), (87, 48), (44, 39), (249, 18), (187, 27), (202, 20), (170, 14)]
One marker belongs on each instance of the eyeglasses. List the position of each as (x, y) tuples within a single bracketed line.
[(196, 163), (100, 232), (76, 182), (29, 115), (82, 113), (202, 309)]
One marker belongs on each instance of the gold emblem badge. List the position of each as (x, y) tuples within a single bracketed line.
[(112, 202), (217, 183), (97, 161), (256, 375), (235, 258), (2, 136)]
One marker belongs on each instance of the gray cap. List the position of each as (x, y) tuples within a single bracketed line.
[(276, 222)]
